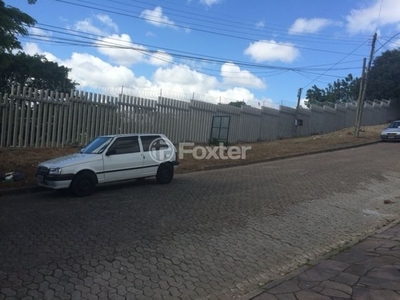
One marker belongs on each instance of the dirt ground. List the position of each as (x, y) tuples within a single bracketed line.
[(25, 160)]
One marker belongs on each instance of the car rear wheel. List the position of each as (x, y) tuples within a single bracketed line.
[(83, 184), (165, 173)]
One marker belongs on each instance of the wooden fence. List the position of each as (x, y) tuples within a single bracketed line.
[(34, 118)]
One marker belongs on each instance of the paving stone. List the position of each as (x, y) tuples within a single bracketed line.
[(221, 232), (357, 270), (379, 282), (337, 286), (285, 287), (265, 296), (346, 278), (288, 296), (316, 275), (361, 293), (379, 261), (332, 266), (391, 273), (334, 293), (309, 295), (8, 292)]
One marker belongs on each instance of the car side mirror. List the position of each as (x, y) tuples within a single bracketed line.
[(111, 152)]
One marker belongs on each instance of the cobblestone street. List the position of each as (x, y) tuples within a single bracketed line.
[(217, 234)]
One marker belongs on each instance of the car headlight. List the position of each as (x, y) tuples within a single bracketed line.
[(55, 171)]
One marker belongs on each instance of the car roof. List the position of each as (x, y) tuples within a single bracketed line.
[(132, 134)]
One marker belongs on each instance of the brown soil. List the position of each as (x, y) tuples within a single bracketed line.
[(25, 160)]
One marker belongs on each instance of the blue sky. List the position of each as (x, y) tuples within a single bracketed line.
[(258, 51)]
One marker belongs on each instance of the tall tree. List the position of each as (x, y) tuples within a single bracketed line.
[(340, 91), (34, 71), (384, 76), (13, 22)]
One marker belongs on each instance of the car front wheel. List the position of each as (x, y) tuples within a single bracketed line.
[(83, 184), (165, 173)]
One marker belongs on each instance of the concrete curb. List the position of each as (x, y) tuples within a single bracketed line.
[(258, 291), (36, 189)]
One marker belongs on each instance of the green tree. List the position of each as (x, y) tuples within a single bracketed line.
[(34, 71), (238, 103), (13, 22), (340, 91), (384, 76)]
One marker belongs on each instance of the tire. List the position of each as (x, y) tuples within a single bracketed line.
[(83, 184), (165, 173)]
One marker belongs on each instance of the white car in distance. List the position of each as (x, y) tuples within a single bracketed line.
[(111, 158)]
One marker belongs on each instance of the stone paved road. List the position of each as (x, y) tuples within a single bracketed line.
[(368, 270), (209, 235)]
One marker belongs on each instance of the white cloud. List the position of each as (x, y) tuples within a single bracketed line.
[(156, 17), (181, 78), (91, 71), (32, 49), (160, 58), (133, 54), (105, 19), (39, 33), (109, 46), (233, 75), (368, 19), (314, 25), (105, 25), (268, 102), (395, 44), (260, 24), (87, 26), (262, 51), (303, 103), (234, 94), (209, 2)]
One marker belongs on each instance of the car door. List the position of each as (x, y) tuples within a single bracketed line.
[(123, 160), (155, 151)]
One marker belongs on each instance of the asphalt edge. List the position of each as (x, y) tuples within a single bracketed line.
[(37, 189), (273, 283)]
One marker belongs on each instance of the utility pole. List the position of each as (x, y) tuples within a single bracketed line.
[(363, 89), (359, 106), (297, 109)]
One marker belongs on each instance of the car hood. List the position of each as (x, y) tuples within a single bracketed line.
[(70, 160), (386, 130)]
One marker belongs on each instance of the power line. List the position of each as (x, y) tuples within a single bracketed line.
[(94, 41), (229, 34), (333, 65)]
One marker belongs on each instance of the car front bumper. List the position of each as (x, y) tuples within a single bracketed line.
[(62, 181), (390, 137)]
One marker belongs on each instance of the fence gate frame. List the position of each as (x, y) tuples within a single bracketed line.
[(218, 125)]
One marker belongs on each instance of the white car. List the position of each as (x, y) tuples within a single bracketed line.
[(111, 158), (392, 132)]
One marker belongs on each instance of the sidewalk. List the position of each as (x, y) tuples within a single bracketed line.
[(368, 270)]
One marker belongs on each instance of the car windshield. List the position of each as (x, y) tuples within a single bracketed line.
[(394, 125), (97, 146)]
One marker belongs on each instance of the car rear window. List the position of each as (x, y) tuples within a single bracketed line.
[(150, 140)]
